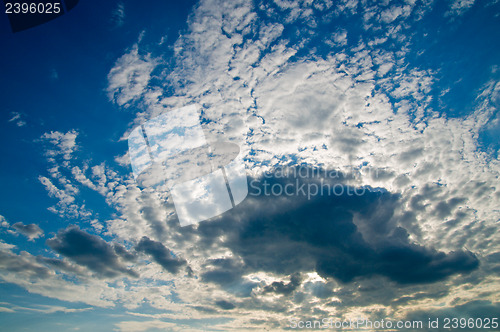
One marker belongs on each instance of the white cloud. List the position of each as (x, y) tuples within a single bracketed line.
[(16, 117), (295, 108), (129, 78), (31, 231), (340, 38), (393, 13), (459, 7), (123, 160), (61, 144), (66, 205)]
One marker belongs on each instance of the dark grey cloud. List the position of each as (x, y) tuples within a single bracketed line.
[(289, 235), (90, 251), (223, 271), (228, 273), (223, 304), (23, 265), (59, 264), (280, 287), (121, 251), (31, 231), (161, 255)]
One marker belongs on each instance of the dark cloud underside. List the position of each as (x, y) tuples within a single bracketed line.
[(90, 251), (292, 234), (160, 255)]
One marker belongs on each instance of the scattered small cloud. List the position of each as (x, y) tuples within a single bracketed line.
[(459, 7), (45, 309), (118, 15), (16, 118), (61, 144), (31, 231), (123, 160), (161, 255)]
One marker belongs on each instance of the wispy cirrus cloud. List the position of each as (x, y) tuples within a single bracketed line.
[(16, 117), (118, 15), (459, 7)]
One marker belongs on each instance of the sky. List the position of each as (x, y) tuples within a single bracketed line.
[(369, 134)]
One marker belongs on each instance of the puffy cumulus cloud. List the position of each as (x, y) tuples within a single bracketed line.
[(118, 15), (91, 251), (3, 220), (160, 254), (357, 106), (31, 231), (130, 76), (459, 7), (62, 265), (284, 288), (23, 264), (60, 144), (59, 150), (66, 175), (66, 205)]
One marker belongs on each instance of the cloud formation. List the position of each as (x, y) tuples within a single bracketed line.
[(130, 76), (285, 83), (294, 235), (160, 254), (90, 251), (31, 231), (16, 117)]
